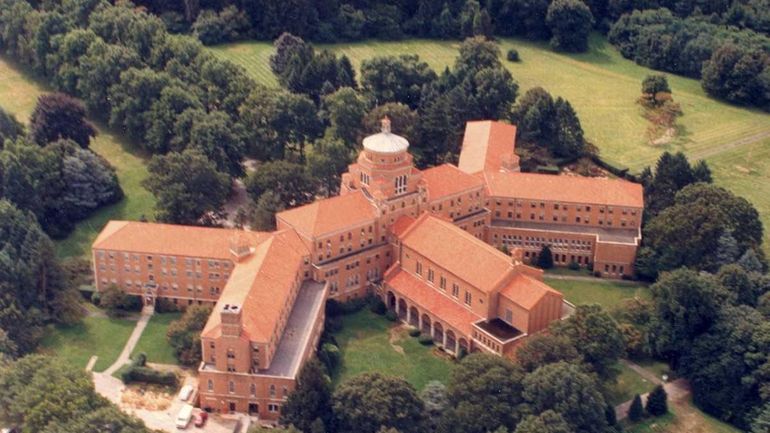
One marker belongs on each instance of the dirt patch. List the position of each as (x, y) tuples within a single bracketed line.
[(395, 335), (149, 397)]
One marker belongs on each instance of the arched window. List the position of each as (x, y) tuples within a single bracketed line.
[(285, 392), (272, 390)]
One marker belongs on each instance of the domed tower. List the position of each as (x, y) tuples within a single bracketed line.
[(384, 169)]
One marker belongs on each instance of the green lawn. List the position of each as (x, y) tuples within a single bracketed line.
[(626, 385), (365, 346), (153, 342), (18, 95), (608, 293), (603, 88), (98, 336)]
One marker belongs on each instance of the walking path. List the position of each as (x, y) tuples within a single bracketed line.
[(125, 355), (676, 390)]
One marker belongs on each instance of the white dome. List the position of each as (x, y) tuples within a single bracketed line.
[(386, 141)]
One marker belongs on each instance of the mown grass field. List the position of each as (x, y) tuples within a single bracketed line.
[(608, 293), (603, 88), (18, 95), (96, 335), (370, 343), (153, 341)]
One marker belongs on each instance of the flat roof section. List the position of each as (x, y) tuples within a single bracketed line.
[(619, 235), (499, 329), (296, 336)]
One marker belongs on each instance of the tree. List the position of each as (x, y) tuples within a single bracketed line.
[(345, 109), (187, 186), (58, 116), (371, 401), (547, 422), (164, 113), (735, 73), (132, 97), (567, 390), (310, 400), (10, 128), (184, 334), (396, 79), (750, 262), (289, 48), (739, 283), (654, 84), (636, 410), (476, 54), (484, 393), (434, 396), (215, 136), (727, 249), (116, 301), (261, 216), (98, 70), (761, 423), (595, 335), (329, 159), (88, 180), (570, 22), (288, 180), (656, 401), (545, 258), (544, 349), (686, 305), (687, 233)]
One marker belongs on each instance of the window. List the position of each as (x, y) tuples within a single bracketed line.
[(442, 282), (253, 390), (272, 390), (231, 387), (400, 184), (272, 407), (419, 268), (468, 298), (211, 385), (430, 275), (455, 290)]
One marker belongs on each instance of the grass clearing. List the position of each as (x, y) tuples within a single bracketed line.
[(603, 88), (608, 293), (370, 343), (100, 336), (18, 94), (626, 385), (153, 341)]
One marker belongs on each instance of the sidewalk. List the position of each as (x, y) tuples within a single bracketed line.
[(675, 390), (125, 355)]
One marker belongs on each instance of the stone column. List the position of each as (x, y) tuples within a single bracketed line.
[(443, 343), (408, 315)]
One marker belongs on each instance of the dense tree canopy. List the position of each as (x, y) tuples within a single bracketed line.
[(396, 79), (310, 400), (570, 22), (58, 116), (184, 334)]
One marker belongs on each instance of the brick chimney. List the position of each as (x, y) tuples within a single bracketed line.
[(231, 320), (239, 247)]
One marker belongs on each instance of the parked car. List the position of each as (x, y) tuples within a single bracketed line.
[(183, 419), (200, 419), (185, 392)]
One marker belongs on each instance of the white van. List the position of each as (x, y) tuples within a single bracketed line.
[(185, 393), (184, 417)]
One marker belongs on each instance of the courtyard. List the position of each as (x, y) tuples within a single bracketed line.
[(370, 343)]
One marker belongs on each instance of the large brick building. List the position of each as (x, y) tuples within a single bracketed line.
[(418, 238)]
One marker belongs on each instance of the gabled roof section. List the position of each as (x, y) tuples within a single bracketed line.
[(457, 316), (171, 239), (457, 251), (486, 145), (566, 189), (260, 285), (330, 215), (446, 180), (527, 291)]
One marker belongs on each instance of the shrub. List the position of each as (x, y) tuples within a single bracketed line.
[(512, 55), (462, 353), (574, 266), (425, 340), (414, 332), (376, 306), (391, 315), (333, 324), (656, 402), (636, 411), (140, 360), (545, 258), (165, 305), (96, 298), (330, 356), (149, 375)]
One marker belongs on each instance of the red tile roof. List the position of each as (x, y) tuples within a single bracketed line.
[(260, 285), (330, 215), (486, 145), (170, 239), (457, 251), (429, 300), (527, 291), (445, 180), (566, 189), (402, 224)]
